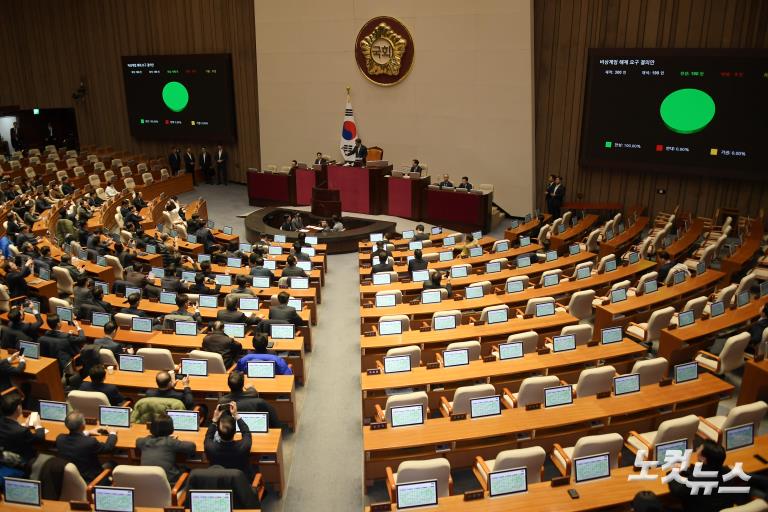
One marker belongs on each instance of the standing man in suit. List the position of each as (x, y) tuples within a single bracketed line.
[(16, 141), (206, 165), (174, 161), (319, 160), (80, 446), (189, 164), (558, 194), (548, 192), (221, 165), (360, 152), (415, 167), (50, 138)]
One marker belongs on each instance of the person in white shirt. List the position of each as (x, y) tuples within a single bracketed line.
[(111, 191), (336, 223)]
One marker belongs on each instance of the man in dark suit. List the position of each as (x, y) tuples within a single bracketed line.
[(548, 191), (558, 195), (166, 389), (161, 448), (108, 342), (231, 315), (285, 312), (383, 265), (756, 330), (14, 436), (15, 277), (298, 253), (133, 306), (61, 345), (465, 183), (17, 329), (217, 341), (224, 450), (319, 160), (248, 400), (189, 164), (50, 136), (415, 167), (435, 283), (446, 183), (257, 267), (221, 165), (419, 234), (174, 161), (16, 140), (360, 153), (11, 367), (98, 373), (291, 270), (81, 448), (206, 165), (665, 265), (418, 262)]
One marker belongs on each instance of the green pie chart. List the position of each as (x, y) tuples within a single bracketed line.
[(687, 110), (175, 96)]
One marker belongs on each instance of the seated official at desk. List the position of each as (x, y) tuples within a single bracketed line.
[(243, 286), (257, 267), (418, 262), (81, 448), (201, 288), (12, 367), (98, 374), (223, 450), (137, 278), (415, 167), (435, 282), (665, 265), (230, 314), (15, 276), (287, 224), (248, 400), (383, 265), (162, 449), (217, 341), (17, 329), (165, 389), (291, 270), (285, 312), (260, 353), (182, 303), (298, 253), (108, 342), (14, 436), (133, 306), (419, 234), (757, 329), (469, 243), (61, 345), (465, 183), (446, 183), (319, 160), (336, 224)]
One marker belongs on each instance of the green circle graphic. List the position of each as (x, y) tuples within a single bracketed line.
[(175, 96), (687, 110)]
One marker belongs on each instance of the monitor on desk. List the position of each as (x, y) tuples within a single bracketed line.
[(610, 265), (550, 280), (650, 286), (583, 272), (258, 422), (523, 261), (515, 285), (130, 290), (300, 283), (260, 369), (382, 278), (310, 240), (661, 449), (188, 276), (511, 350), (275, 250), (685, 318), (557, 396), (625, 384), (295, 303), (65, 313), (140, 324), (475, 252), (716, 309), (309, 251), (227, 230), (742, 299), (376, 237), (99, 319), (525, 241), (234, 330), (455, 357), (114, 416), (445, 255), (459, 271), (388, 327), (477, 235), (497, 316), (245, 247), (279, 239), (194, 367), (739, 437), (82, 254), (485, 406), (261, 281), (492, 267), (168, 298), (634, 257), (192, 239), (686, 372), (397, 364), (210, 501), (563, 343), (431, 296), (183, 328), (21, 491), (419, 276), (610, 335), (53, 411), (387, 300), (282, 331), (30, 349), (408, 234), (407, 415), (208, 301), (501, 246), (248, 303), (306, 266), (514, 224), (104, 286), (223, 279), (507, 481), (158, 272), (234, 262), (375, 260), (130, 363), (412, 246), (449, 241), (561, 229), (551, 256), (591, 467), (618, 295), (44, 274), (474, 292), (574, 249), (678, 277), (270, 264), (203, 257), (444, 322), (151, 249), (416, 494), (184, 421), (608, 235), (436, 230), (113, 499), (545, 309)]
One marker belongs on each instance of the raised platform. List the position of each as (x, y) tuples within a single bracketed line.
[(268, 221)]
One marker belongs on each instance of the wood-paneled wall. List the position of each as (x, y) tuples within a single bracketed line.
[(49, 46), (563, 31)]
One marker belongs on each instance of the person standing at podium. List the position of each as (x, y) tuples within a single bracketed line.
[(360, 153), (415, 167), (319, 160)]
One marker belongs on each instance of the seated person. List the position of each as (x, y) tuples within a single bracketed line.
[(17, 329), (336, 224), (81, 448), (419, 234), (665, 265), (757, 329), (243, 286), (297, 252), (465, 183), (469, 242), (248, 400), (108, 342), (162, 448), (446, 183), (182, 304), (166, 388), (257, 267), (285, 312), (98, 373), (217, 341), (418, 262), (231, 315), (434, 282), (291, 270), (260, 354), (383, 265), (324, 227), (59, 344), (287, 224), (133, 306), (223, 449), (16, 436), (319, 160)]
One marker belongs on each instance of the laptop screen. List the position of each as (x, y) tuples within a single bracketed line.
[(661, 449), (550, 280), (633, 258), (261, 369), (592, 467), (248, 303), (551, 255), (650, 286), (678, 278), (485, 406), (512, 350), (245, 247), (234, 262), (739, 437), (275, 250), (416, 494), (686, 372), (227, 230), (420, 275), (610, 335), (449, 241), (306, 266), (31, 349), (300, 283), (618, 295), (473, 292), (188, 276), (445, 322), (610, 265), (192, 239), (158, 272), (558, 395), (502, 245), (545, 309), (186, 328), (445, 255), (194, 367), (223, 279), (742, 299), (475, 252), (515, 285), (234, 330), (497, 316), (563, 343), (459, 271), (387, 327), (167, 297), (415, 245), (507, 481), (53, 411), (208, 301), (279, 239), (151, 249), (282, 331), (270, 264), (386, 301), (701, 267), (112, 499), (44, 274), (141, 324), (114, 416), (65, 314), (100, 319), (397, 364), (203, 257), (210, 501), (406, 415), (258, 422), (295, 303), (685, 318), (717, 308), (130, 363), (574, 249), (261, 282), (456, 357), (430, 296), (492, 267), (311, 240), (22, 491), (104, 286), (523, 261), (583, 272), (377, 237), (525, 241), (309, 251), (624, 384), (407, 235), (185, 421), (514, 224)]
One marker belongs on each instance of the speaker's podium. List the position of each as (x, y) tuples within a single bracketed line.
[(362, 189), (326, 202)]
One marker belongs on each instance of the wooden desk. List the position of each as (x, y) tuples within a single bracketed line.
[(681, 246), (63, 506), (461, 441), (618, 242), (751, 245), (754, 384), (640, 307), (401, 253), (512, 234), (45, 377), (680, 345), (560, 242), (444, 381), (613, 493), (41, 287), (437, 241), (373, 348), (278, 391)]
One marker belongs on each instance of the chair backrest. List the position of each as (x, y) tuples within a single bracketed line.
[(117, 267), (567, 218), (580, 304), (107, 357), (651, 370), (744, 414), (63, 279), (463, 395), (732, 355), (147, 178), (676, 268), (658, 321), (556, 224), (726, 294), (650, 276), (141, 167), (621, 285), (532, 459), (594, 445), (585, 264), (472, 346), (116, 162), (73, 487), (130, 184), (215, 361), (98, 166), (54, 302), (530, 307), (677, 428), (696, 305), (645, 247), (71, 162), (30, 172), (87, 402), (747, 282), (61, 174), (156, 358), (582, 332), (432, 469), (125, 171), (525, 279), (404, 320), (414, 398), (448, 312), (595, 380), (164, 173), (414, 351), (150, 481), (94, 180), (486, 310), (544, 233), (397, 293), (603, 261), (532, 389), (124, 319), (529, 340), (79, 171), (108, 175)]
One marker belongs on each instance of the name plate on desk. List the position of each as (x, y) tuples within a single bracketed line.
[(458, 417), (527, 316), (171, 509), (593, 343), (379, 425), (369, 334), (501, 292), (474, 495), (433, 365), (426, 328), (479, 322), (79, 505), (560, 481), (533, 407), (542, 351), (373, 371), (489, 359), (604, 394), (665, 382), (381, 507), (456, 297), (368, 306)]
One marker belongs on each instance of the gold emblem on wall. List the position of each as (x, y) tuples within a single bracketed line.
[(384, 51)]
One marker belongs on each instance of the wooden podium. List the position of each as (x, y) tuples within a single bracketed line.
[(326, 202)]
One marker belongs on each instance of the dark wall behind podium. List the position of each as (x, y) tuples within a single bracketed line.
[(48, 46), (564, 29)]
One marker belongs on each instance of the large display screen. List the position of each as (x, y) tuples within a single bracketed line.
[(695, 111), (180, 97)]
